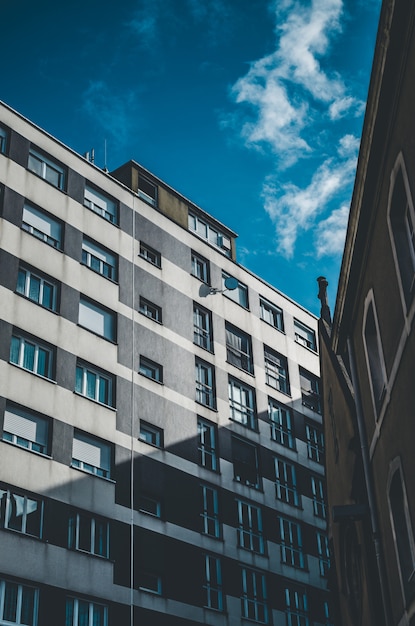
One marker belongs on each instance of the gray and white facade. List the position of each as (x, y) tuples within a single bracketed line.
[(161, 450)]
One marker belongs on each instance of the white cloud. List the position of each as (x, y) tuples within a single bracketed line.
[(331, 232), (109, 111)]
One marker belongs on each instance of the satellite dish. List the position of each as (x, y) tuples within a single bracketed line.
[(231, 283), (204, 290)]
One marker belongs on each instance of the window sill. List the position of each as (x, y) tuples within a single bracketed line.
[(105, 406), (62, 189), (45, 308), (140, 256), (159, 382), (151, 318), (91, 554), (22, 534), (86, 473), (306, 347), (23, 369), (287, 394), (16, 445), (280, 330), (60, 249), (114, 343), (207, 406), (250, 486), (241, 369), (101, 216), (111, 280), (246, 308), (148, 443), (202, 348), (253, 430)]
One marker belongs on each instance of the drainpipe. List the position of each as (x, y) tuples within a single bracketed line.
[(369, 487)]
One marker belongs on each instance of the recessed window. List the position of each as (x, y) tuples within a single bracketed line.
[(305, 336), (200, 268), (296, 607), (3, 140), (47, 168), (254, 596), (286, 482), (150, 255), (94, 384), (42, 226), (212, 587), (32, 355), (25, 429), (101, 204), (209, 233), (150, 582), (291, 544), (403, 534), (38, 288), (281, 424), (245, 463), (99, 259), (151, 434), (83, 613), (210, 511), (150, 369), (276, 370), (91, 455), (310, 390), (149, 505), (315, 443), (202, 328), (18, 604), (88, 534), (147, 191), (207, 444), (317, 491), (242, 404), (323, 554), (21, 512), (151, 310), (238, 295), (205, 383), (250, 535), (271, 314), (374, 357), (98, 320), (239, 348)]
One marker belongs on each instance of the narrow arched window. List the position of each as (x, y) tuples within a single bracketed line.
[(403, 535), (374, 357)]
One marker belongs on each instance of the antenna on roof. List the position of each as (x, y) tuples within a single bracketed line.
[(231, 283), (105, 168)]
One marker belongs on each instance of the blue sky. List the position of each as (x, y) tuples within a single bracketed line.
[(253, 109)]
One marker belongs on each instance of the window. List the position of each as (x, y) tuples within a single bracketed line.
[(323, 554), (150, 582), (212, 588), (254, 596), (21, 513), (207, 448), (151, 434), (276, 370), (32, 355), (3, 140), (88, 534), (94, 384), (101, 204), (37, 288), (26, 429), (99, 259), (200, 268), (205, 383), (150, 255), (296, 607), (242, 404), (249, 530), (402, 533), (147, 191), (98, 320), (91, 455), (304, 335), (239, 349), (315, 443), (149, 505), (42, 226), (210, 512), (238, 295), (46, 168), (291, 543), (271, 314), (208, 232), (202, 328), (245, 463), (149, 369), (317, 490), (286, 482), (151, 310), (83, 613), (402, 223), (18, 604), (310, 390), (281, 424), (374, 358)]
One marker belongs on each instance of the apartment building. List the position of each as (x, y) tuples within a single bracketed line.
[(161, 442)]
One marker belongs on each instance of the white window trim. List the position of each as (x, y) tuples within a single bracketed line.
[(247, 531), (206, 450), (281, 424), (5, 521), (265, 305), (210, 587), (46, 162), (85, 367), (90, 611), (370, 302), (210, 516), (93, 252), (25, 431), (97, 319), (103, 470), (18, 602), (38, 345), (56, 226), (93, 522), (29, 276), (99, 202), (301, 331)]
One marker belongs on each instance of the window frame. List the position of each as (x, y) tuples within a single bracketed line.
[(238, 295), (150, 369), (310, 398), (6, 511), (296, 607), (213, 583), (202, 332), (282, 430), (209, 233), (100, 208), (141, 506), (108, 391), (38, 345), (254, 605), (305, 336), (74, 533), (238, 407), (274, 313), (250, 534), (155, 434), (323, 551), (286, 482), (200, 267), (47, 163), (240, 464), (239, 348), (276, 371), (291, 543), (150, 255), (107, 319), (104, 470), (53, 222), (38, 442), (21, 589), (318, 497), (373, 349), (315, 442), (210, 520), (205, 383), (89, 259), (150, 310), (4, 140), (26, 289), (157, 589), (91, 610), (143, 195), (207, 444)]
